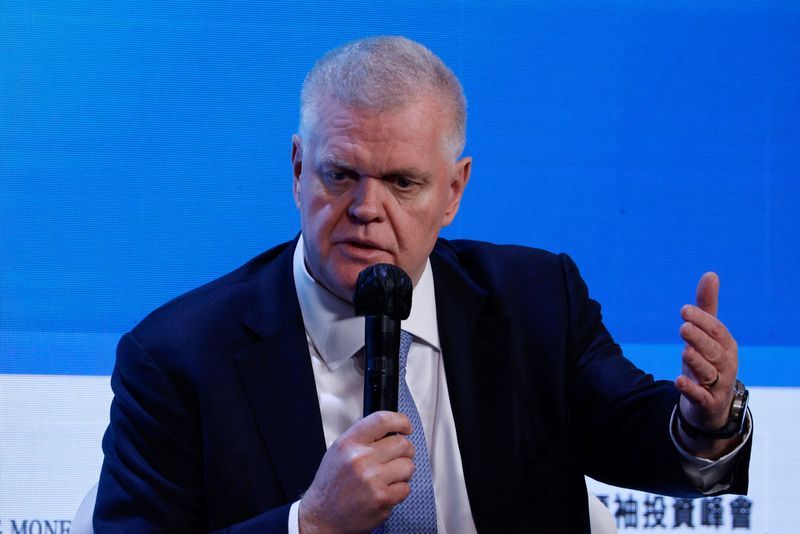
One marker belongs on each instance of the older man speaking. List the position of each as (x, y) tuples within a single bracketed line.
[(238, 405)]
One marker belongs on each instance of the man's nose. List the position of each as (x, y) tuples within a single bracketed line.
[(367, 202)]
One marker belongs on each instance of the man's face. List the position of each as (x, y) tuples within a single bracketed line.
[(374, 187)]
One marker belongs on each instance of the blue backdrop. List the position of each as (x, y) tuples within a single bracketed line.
[(145, 149)]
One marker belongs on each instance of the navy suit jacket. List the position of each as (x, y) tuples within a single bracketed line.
[(215, 423)]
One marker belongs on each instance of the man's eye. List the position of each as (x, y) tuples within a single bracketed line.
[(401, 182), (337, 177)]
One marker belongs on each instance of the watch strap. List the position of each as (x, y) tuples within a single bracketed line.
[(733, 427)]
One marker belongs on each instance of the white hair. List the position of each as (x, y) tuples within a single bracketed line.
[(384, 73)]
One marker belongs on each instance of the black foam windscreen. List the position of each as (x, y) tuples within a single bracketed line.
[(383, 289)]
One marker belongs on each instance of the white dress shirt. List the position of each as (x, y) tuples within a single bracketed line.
[(335, 335), (335, 339)]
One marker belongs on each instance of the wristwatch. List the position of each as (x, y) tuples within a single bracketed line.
[(735, 424)]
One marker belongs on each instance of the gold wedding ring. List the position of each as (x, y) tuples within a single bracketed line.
[(713, 382)]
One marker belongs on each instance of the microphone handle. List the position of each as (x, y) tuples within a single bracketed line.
[(382, 363)]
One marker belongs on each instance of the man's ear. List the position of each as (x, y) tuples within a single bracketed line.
[(457, 185), (297, 167)]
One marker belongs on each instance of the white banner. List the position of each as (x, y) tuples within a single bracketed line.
[(771, 506)]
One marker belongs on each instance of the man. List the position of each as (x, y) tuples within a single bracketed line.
[(237, 405)]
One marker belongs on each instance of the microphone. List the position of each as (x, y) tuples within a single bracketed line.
[(383, 296)]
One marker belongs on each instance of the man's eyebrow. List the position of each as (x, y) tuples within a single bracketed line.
[(411, 171), (332, 161)]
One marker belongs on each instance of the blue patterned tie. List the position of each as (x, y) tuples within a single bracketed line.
[(417, 514)]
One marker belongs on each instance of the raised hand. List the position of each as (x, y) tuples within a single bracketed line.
[(710, 364)]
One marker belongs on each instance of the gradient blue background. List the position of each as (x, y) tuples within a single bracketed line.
[(144, 150)]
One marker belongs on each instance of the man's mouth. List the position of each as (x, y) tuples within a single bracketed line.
[(361, 249), (362, 243)]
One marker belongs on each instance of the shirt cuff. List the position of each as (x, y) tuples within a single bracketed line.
[(708, 475), (294, 518)]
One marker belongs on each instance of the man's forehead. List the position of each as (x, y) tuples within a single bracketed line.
[(335, 124), (330, 109)]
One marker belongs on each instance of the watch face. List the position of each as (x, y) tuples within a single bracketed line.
[(739, 406)]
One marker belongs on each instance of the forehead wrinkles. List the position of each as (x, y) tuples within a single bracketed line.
[(338, 116), (379, 141), (343, 151), (356, 149)]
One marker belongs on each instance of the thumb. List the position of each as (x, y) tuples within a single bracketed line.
[(708, 293)]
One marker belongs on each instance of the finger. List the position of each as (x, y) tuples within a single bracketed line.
[(397, 493), (390, 483), (696, 394), (377, 425), (707, 295), (707, 347), (393, 447), (708, 324), (702, 370), (398, 470)]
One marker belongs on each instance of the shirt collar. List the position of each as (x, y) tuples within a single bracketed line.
[(334, 329)]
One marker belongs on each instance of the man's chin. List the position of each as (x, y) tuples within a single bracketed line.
[(341, 286), (341, 280)]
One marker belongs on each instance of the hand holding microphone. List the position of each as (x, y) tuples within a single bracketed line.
[(366, 471)]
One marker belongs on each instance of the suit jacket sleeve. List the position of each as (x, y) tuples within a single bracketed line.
[(152, 478), (623, 414)]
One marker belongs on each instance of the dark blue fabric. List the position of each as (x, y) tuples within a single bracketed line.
[(216, 425)]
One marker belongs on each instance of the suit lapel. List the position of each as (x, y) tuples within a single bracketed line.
[(278, 379), (475, 349)]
